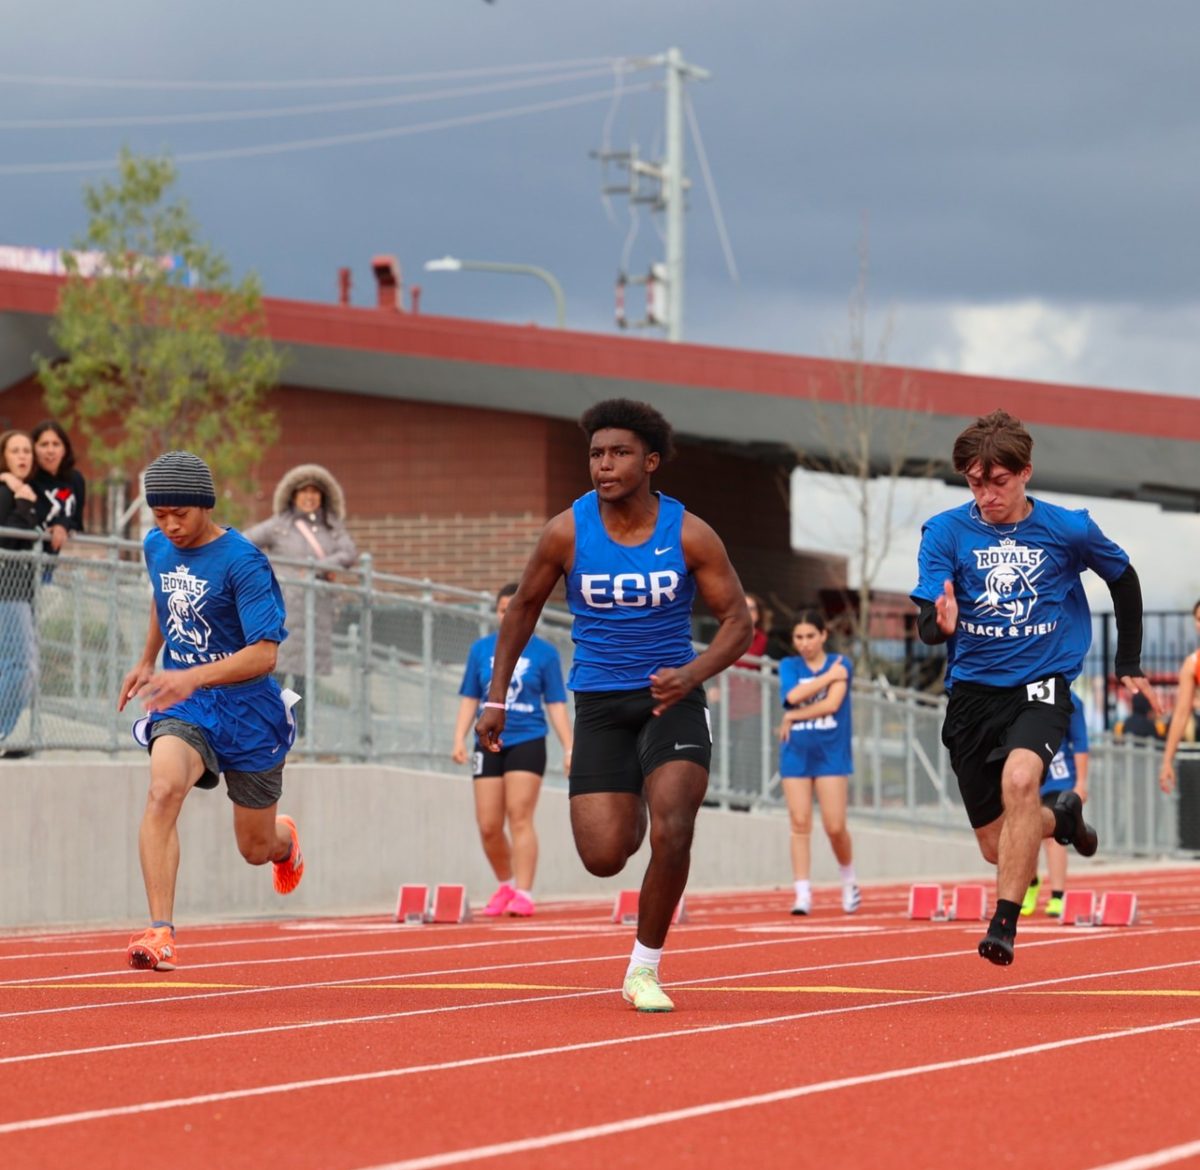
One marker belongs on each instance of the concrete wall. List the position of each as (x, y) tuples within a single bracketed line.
[(68, 846)]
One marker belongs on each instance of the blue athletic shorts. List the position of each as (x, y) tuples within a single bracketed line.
[(247, 724)]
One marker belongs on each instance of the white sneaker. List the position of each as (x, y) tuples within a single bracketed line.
[(851, 898), (803, 904)]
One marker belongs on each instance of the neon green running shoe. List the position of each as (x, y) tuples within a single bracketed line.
[(1031, 898), (643, 991), (1054, 908)]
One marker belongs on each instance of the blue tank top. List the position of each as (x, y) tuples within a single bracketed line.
[(632, 605)]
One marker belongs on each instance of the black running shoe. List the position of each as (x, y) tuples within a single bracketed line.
[(1070, 827), (997, 948)]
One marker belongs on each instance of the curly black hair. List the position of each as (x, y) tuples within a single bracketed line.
[(626, 415)]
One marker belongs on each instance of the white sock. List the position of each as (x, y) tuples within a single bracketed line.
[(644, 957), (847, 872), (508, 884), (525, 894), (803, 889)]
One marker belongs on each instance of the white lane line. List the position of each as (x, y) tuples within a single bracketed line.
[(380, 1017), (1083, 937), (611, 1042), (586, 1133), (1163, 1157), (649, 1120), (136, 976)]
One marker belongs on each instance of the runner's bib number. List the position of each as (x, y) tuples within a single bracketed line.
[(1041, 691)]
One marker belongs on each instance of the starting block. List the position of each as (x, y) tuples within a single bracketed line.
[(1117, 909), (625, 909), (412, 905), (968, 904), (925, 902), (1079, 908), (449, 905)]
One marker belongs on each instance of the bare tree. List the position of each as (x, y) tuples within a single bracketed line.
[(865, 435)]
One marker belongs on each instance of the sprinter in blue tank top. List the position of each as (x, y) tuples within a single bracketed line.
[(633, 559), (999, 583)]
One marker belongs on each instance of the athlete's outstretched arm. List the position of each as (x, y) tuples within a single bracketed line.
[(709, 564), (1126, 593), (549, 561)]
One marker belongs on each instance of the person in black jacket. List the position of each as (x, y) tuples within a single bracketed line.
[(18, 643), (60, 487)]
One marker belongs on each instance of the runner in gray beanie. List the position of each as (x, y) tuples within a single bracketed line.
[(179, 479)]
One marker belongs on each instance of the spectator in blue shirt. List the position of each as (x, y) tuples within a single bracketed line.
[(507, 782)]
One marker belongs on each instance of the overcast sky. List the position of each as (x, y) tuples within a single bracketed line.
[(1028, 173)]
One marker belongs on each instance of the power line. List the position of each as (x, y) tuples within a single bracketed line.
[(303, 144), (306, 83), (711, 188), (295, 111)]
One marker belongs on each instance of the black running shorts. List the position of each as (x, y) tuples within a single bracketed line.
[(983, 724), (529, 756), (619, 741)]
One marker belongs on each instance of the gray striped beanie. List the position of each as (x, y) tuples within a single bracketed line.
[(179, 479)]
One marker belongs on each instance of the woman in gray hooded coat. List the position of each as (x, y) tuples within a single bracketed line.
[(308, 526)]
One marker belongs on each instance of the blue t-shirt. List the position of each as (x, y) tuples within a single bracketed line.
[(1022, 610), (632, 604), (536, 679), (821, 746), (1062, 773), (214, 600), (211, 602)]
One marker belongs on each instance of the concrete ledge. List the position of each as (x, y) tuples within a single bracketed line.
[(68, 846)]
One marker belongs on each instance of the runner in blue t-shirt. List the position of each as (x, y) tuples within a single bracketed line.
[(633, 559), (217, 617), (999, 582), (507, 782), (816, 755), (1068, 772)]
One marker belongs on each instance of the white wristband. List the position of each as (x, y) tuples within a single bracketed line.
[(496, 706)]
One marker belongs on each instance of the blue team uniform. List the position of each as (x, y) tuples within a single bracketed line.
[(536, 679), (821, 746), (1061, 775), (1022, 610), (211, 602), (632, 605)]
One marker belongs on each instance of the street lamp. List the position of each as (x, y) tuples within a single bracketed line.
[(453, 264)]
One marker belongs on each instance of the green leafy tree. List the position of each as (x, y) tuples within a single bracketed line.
[(162, 349)]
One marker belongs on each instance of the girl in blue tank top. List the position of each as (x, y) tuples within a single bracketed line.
[(816, 754)]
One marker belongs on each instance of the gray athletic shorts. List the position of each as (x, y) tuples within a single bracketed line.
[(247, 789)]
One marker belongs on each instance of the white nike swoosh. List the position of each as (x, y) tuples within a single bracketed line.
[(658, 552), (680, 746)]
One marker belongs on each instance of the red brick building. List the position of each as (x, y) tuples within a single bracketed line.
[(456, 440)]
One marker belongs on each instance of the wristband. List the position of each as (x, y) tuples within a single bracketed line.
[(496, 706)]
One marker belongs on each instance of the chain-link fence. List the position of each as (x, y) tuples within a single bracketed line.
[(390, 693)]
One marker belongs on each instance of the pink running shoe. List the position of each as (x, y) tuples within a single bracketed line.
[(499, 901), (520, 906)]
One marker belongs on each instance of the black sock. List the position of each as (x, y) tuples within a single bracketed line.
[(1056, 893), (1004, 921)]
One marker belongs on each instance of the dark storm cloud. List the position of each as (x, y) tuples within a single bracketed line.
[(998, 153)]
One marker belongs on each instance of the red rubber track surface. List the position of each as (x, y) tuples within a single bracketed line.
[(833, 1040)]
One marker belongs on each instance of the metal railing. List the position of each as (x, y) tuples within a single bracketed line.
[(398, 647)]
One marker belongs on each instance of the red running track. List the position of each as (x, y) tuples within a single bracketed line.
[(836, 1041)]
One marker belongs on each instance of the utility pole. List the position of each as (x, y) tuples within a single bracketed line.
[(665, 304)]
